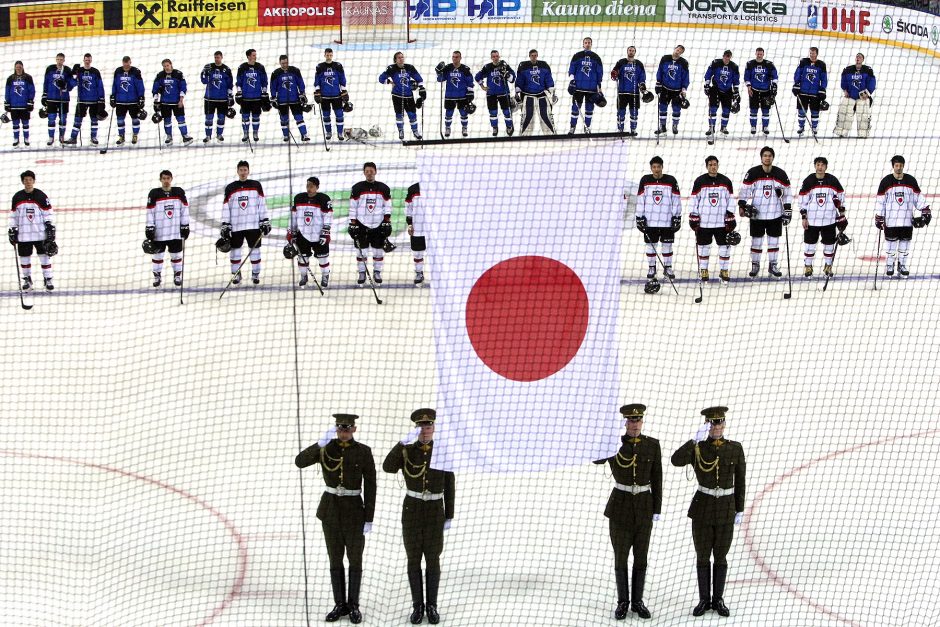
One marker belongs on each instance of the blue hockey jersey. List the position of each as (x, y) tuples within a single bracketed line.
[(90, 85), (330, 79), (673, 74), (725, 78), (169, 87), (128, 86), (458, 81), (534, 78), (20, 91), (57, 83), (497, 78), (810, 77), (630, 76), (856, 80), (404, 79), (760, 75), (218, 81), (252, 81), (586, 70), (287, 85)]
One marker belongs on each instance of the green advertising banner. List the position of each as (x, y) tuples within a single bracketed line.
[(613, 11)]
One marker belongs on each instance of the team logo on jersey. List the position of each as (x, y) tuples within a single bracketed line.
[(629, 72), (168, 212), (217, 81), (18, 90), (86, 82), (30, 213), (768, 189), (586, 67), (713, 198), (243, 202), (308, 217), (455, 79), (671, 71), (657, 197), (328, 79), (899, 197), (251, 80), (821, 198), (370, 205)]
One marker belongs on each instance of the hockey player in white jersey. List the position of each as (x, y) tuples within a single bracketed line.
[(311, 220), (414, 217), (370, 222), (244, 220), (658, 217), (712, 217), (765, 199), (899, 198), (32, 227), (167, 227), (822, 207)]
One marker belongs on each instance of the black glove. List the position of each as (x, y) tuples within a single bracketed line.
[(265, 226), (519, 97), (773, 89), (141, 104), (641, 224), (14, 234), (676, 223), (695, 222), (238, 96), (324, 236), (730, 223), (658, 89), (355, 231), (303, 100), (226, 231), (7, 107), (184, 231), (50, 232), (422, 93), (42, 101), (880, 223), (385, 229), (440, 67), (925, 215), (821, 94), (230, 101), (316, 97), (796, 91), (841, 222), (76, 68), (206, 68), (150, 233), (112, 101), (708, 89), (29, 106), (787, 214)]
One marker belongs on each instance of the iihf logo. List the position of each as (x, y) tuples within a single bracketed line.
[(812, 17)]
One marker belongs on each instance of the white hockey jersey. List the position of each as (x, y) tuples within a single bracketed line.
[(310, 214), (821, 199), (414, 210), (166, 212), (244, 205), (898, 200), (712, 198), (760, 191), (29, 214), (369, 203), (658, 200)]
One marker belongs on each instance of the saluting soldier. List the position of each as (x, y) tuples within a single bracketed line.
[(346, 507), (633, 506), (718, 504), (426, 512)]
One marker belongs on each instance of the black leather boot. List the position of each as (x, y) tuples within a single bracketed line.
[(623, 595), (338, 582), (355, 581), (639, 582), (704, 590), (417, 596), (433, 579), (719, 573)]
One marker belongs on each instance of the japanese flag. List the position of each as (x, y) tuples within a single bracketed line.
[(525, 291)]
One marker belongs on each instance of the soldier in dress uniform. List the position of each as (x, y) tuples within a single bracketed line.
[(346, 507), (426, 512), (718, 504), (633, 506)]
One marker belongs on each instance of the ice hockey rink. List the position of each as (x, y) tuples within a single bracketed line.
[(147, 456)]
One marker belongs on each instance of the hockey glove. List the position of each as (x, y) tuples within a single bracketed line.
[(439, 68), (385, 229), (880, 223), (519, 96), (614, 75), (422, 96), (695, 222), (230, 101), (796, 90), (50, 232), (841, 222), (238, 97), (659, 88), (355, 230), (324, 236), (303, 100), (736, 103), (554, 97), (641, 224), (571, 88), (150, 233), (112, 101), (787, 214), (707, 88), (29, 106), (184, 231), (141, 104), (730, 223), (821, 94), (292, 235), (7, 107), (316, 96), (226, 231), (43, 101), (13, 234), (925, 214), (265, 226), (676, 223)]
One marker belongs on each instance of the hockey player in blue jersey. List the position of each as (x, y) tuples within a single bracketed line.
[(169, 92), (289, 95), (217, 77), (458, 93), (672, 79), (56, 85), (90, 99), (760, 77), (534, 87), (585, 74), (127, 97), (722, 79), (858, 83), (494, 79), (404, 79), (630, 76), (251, 93), (18, 102), (330, 93), (809, 86)]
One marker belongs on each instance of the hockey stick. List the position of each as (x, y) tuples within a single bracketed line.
[(239, 269), (182, 268), (440, 121), (877, 259), (326, 143), (108, 140), (312, 275), (671, 282), (808, 118), (786, 238), (780, 122), (19, 283), (829, 276), (701, 292), (365, 266)]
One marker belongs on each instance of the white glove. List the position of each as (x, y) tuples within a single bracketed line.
[(328, 436), (739, 518), (656, 517), (412, 436), (447, 524), (702, 434), (366, 528)]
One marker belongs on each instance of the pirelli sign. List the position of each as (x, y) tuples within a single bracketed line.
[(56, 20), (189, 15)]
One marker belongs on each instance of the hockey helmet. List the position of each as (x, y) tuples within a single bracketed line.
[(648, 96), (347, 106), (102, 114), (600, 100), (5, 118), (375, 131), (471, 108), (156, 118), (43, 113), (51, 248), (652, 286), (142, 115), (223, 245), (683, 102), (289, 251), (736, 106), (149, 246), (230, 113), (733, 238), (389, 246), (842, 239), (306, 108), (823, 105)]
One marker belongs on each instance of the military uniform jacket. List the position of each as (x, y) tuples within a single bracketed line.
[(348, 465), (728, 472), (638, 462), (414, 460)]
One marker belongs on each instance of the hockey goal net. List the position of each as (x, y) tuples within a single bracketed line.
[(372, 21)]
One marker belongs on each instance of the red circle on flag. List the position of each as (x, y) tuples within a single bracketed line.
[(527, 317)]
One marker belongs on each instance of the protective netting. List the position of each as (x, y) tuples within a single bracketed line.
[(148, 472)]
